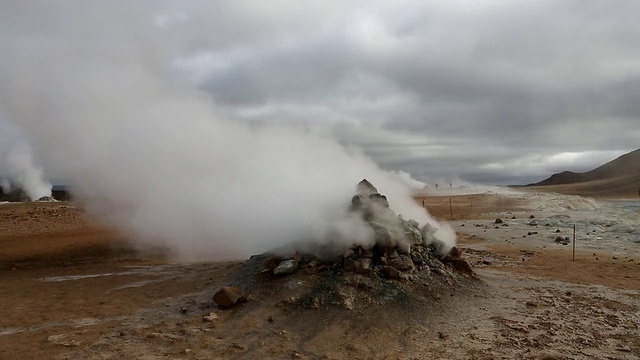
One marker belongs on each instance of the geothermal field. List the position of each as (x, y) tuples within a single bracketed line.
[(510, 288)]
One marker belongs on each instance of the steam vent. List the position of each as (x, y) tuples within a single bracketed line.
[(404, 256)]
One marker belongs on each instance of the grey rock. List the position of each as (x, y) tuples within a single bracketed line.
[(384, 238), (417, 258), (411, 232), (427, 232), (366, 188), (286, 267)]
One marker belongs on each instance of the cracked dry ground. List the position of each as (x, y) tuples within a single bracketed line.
[(72, 290)]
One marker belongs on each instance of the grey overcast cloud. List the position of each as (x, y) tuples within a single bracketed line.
[(498, 92)]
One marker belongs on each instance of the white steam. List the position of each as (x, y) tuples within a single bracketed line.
[(17, 164), (157, 159)]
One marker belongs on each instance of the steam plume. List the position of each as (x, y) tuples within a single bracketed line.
[(17, 164), (154, 156)]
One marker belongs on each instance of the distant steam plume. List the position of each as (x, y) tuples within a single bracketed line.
[(17, 164), (154, 156)]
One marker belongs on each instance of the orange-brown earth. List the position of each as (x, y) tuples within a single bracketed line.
[(72, 289)]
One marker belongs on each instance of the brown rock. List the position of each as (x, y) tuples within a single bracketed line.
[(455, 252), (461, 266), (402, 263), (390, 271), (228, 296)]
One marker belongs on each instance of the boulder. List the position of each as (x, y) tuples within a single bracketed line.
[(286, 267), (498, 221), (228, 296)]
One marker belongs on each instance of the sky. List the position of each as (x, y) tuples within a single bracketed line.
[(496, 92)]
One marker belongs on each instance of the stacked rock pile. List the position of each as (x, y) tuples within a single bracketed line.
[(400, 247)]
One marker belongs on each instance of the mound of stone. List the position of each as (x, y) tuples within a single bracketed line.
[(401, 248)]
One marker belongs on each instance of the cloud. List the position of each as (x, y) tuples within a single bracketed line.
[(156, 157), (436, 89), (494, 80)]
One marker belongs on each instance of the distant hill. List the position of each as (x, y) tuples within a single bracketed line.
[(619, 177)]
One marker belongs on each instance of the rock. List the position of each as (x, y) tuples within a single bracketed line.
[(390, 271), (414, 223), (531, 216), (384, 238), (402, 263), (557, 230), (403, 247), (455, 252), (356, 202), (380, 199), (286, 267), (532, 303), (461, 266), (366, 188), (364, 252), (349, 265), (315, 303), (498, 221), (549, 356), (211, 317), (411, 232), (533, 223), (363, 266), (246, 298), (427, 232), (62, 340), (417, 258), (228, 296)]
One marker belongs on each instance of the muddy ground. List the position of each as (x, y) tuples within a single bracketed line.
[(72, 289)]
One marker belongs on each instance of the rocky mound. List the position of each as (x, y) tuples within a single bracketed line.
[(403, 253)]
